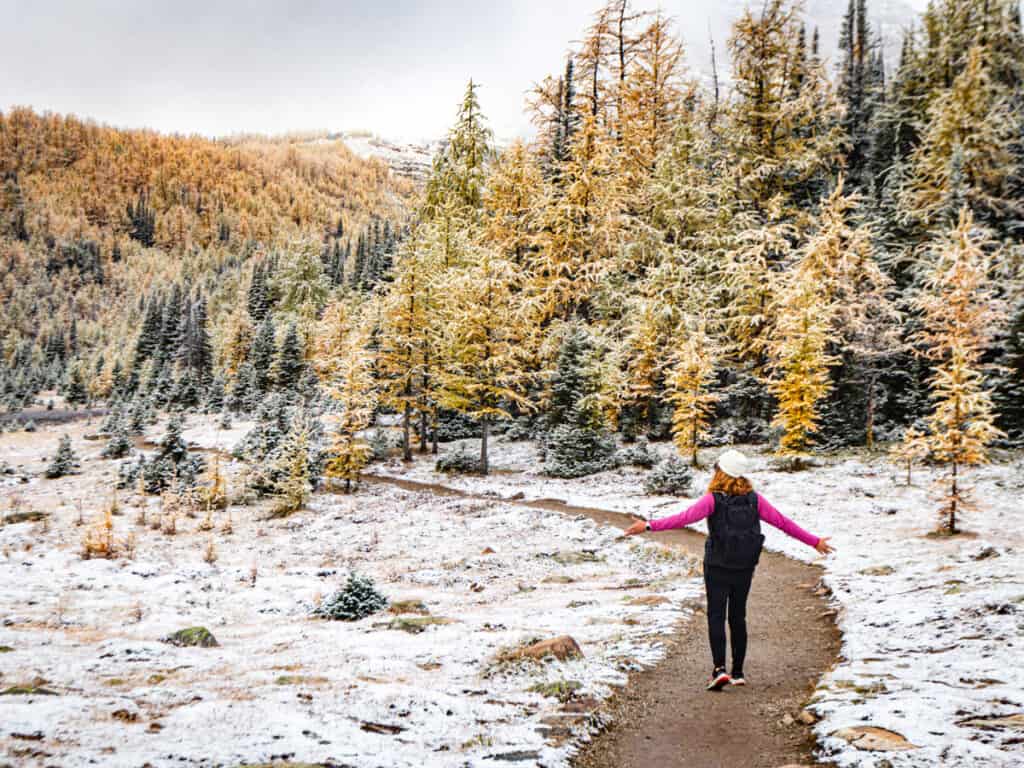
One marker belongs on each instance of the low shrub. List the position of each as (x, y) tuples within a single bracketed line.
[(358, 599), (671, 477)]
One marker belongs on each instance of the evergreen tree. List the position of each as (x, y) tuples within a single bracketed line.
[(258, 299), (577, 442), (198, 351), (580, 446), (262, 354), (118, 381), (245, 393), (171, 329), (215, 396), (358, 599), (137, 417), (185, 394), (859, 89), (567, 119), (64, 462), (290, 363), (1009, 395), (74, 388), (149, 336), (120, 444), (300, 283), (142, 221), (172, 445), (570, 382)]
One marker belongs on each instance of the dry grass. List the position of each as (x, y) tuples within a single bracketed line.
[(210, 552), (99, 539)]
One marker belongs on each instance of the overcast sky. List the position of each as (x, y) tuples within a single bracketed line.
[(215, 67)]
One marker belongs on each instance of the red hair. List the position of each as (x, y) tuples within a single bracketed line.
[(733, 486)]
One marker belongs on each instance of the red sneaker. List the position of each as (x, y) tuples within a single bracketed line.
[(719, 679)]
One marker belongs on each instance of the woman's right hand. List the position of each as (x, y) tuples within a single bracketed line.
[(638, 527), (823, 546)]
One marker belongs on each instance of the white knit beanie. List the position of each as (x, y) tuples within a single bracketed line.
[(734, 463)]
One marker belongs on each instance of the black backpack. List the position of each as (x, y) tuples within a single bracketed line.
[(735, 538)]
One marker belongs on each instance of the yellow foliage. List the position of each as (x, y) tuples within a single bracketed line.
[(689, 378)]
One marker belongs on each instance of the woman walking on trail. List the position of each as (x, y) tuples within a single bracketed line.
[(734, 512)]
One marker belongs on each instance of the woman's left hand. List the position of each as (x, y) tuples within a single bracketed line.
[(638, 527)]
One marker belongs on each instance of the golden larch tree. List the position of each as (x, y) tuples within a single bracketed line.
[(689, 381), (351, 388), (959, 312), (484, 374), (799, 360)]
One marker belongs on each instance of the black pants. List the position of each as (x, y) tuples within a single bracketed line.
[(727, 592)]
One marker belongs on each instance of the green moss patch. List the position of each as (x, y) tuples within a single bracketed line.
[(27, 690), (199, 637), (563, 690)]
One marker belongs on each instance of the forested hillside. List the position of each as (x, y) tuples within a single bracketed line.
[(813, 257), (102, 229)]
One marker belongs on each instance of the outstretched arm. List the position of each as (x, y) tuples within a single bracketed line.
[(772, 516), (702, 508)]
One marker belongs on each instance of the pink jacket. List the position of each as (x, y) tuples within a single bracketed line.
[(705, 505)]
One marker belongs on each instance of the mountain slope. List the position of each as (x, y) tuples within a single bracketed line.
[(93, 220)]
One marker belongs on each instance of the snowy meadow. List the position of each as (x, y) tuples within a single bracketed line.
[(931, 625), (423, 680)]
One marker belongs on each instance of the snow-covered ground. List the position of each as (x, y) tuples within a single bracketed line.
[(282, 684), (933, 628)]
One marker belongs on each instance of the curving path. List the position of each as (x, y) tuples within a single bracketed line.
[(664, 717)]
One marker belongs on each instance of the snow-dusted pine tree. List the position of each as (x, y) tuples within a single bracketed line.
[(358, 599), (64, 461)]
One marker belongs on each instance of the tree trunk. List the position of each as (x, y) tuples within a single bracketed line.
[(485, 433), (406, 441), (869, 427), (952, 502), (694, 438), (423, 431), (433, 424)]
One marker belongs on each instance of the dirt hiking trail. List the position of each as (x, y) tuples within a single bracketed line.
[(664, 718)]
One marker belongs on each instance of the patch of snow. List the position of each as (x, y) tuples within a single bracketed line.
[(282, 683), (933, 627)]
